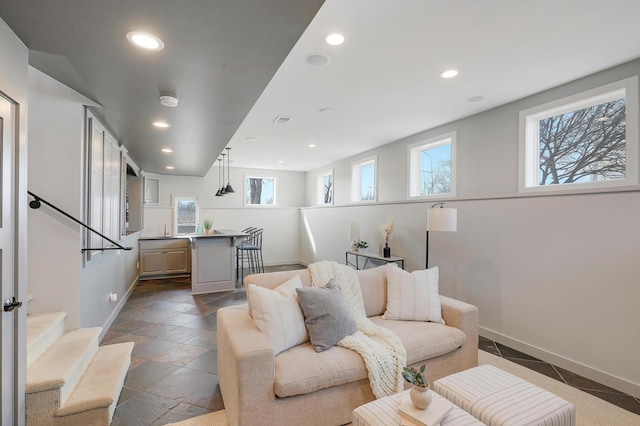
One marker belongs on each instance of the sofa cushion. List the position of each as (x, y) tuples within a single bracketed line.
[(373, 285), (301, 370), (326, 315), (413, 296), (277, 314), (424, 340)]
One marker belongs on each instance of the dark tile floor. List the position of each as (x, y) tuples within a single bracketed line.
[(173, 373), (611, 395)]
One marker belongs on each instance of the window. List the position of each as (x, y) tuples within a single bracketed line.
[(432, 167), (186, 215), (587, 141), (260, 191), (325, 187), (363, 180)]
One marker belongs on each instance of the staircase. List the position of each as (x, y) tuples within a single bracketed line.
[(70, 379)]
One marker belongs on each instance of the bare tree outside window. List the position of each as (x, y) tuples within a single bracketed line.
[(435, 170), (584, 145), (328, 189), (260, 191)]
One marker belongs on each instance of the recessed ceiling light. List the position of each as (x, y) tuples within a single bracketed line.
[(449, 74), (250, 139), (475, 99), (162, 124), (170, 167), (312, 145), (317, 60), (280, 161), (168, 150), (335, 39), (145, 40)]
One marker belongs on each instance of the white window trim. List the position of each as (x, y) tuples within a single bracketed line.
[(413, 160), (529, 143), (244, 191), (320, 188), (175, 200), (356, 179)]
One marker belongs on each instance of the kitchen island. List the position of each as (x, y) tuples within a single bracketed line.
[(212, 258)]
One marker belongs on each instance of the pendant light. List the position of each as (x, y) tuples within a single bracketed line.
[(223, 189), (229, 188), (219, 193)]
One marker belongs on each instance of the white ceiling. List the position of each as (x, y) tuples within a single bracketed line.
[(383, 83)]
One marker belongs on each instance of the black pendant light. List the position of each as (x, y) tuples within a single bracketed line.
[(220, 193), (228, 188)]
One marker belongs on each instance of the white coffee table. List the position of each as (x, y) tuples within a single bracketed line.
[(384, 412)]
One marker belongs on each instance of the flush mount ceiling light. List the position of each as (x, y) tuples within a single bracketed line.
[(145, 40), (167, 150), (317, 60), (335, 39), (170, 167), (312, 145), (161, 124), (449, 74), (280, 161), (169, 101)]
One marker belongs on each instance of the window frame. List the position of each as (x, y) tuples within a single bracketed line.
[(320, 188), (413, 160), (176, 200), (529, 142), (356, 179), (275, 191)]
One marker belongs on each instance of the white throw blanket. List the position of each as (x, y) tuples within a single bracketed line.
[(382, 351)]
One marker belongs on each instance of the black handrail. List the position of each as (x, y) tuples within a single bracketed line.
[(35, 204)]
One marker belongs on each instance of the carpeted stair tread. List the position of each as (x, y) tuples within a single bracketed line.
[(102, 381), (42, 330), (64, 362)]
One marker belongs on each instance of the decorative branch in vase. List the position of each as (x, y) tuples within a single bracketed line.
[(386, 229)]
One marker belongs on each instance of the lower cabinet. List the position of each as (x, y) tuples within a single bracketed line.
[(164, 257)]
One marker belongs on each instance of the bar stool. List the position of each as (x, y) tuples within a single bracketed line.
[(250, 251)]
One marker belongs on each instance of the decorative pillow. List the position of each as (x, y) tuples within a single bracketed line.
[(326, 315), (413, 296), (277, 314)]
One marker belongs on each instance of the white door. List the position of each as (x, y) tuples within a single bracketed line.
[(12, 318)]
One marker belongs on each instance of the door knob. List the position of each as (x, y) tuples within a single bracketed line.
[(11, 304)]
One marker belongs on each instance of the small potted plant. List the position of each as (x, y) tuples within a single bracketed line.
[(208, 225), (360, 245), (420, 395)]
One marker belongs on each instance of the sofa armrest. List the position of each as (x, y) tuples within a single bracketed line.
[(246, 363), (465, 317)]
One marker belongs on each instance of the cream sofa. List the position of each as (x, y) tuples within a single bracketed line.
[(302, 387)]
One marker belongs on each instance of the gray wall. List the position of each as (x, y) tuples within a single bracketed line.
[(555, 276)]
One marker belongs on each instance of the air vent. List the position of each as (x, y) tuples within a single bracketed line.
[(281, 119)]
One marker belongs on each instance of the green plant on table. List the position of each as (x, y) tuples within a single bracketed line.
[(359, 244), (208, 224), (415, 377)]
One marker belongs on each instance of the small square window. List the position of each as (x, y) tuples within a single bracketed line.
[(260, 191), (432, 166), (363, 180), (585, 141)]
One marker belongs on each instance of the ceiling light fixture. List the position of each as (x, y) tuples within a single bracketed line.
[(449, 74), (280, 161), (169, 101), (228, 188), (312, 145), (335, 39), (170, 167), (168, 150), (162, 124), (145, 40), (219, 193), (317, 60)]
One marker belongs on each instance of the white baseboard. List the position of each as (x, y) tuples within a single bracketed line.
[(116, 311), (583, 370)]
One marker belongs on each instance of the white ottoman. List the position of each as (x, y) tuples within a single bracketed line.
[(498, 398), (384, 412)]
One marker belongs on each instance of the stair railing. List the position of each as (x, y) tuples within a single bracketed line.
[(36, 204)]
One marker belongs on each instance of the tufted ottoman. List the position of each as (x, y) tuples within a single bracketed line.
[(498, 398)]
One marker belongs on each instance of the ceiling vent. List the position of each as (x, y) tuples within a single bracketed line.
[(281, 119)]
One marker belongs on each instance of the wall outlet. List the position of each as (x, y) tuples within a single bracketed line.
[(113, 297)]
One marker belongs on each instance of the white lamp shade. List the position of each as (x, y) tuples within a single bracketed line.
[(354, 231), (442, 219)]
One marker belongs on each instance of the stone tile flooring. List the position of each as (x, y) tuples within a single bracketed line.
[(173, 373)]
